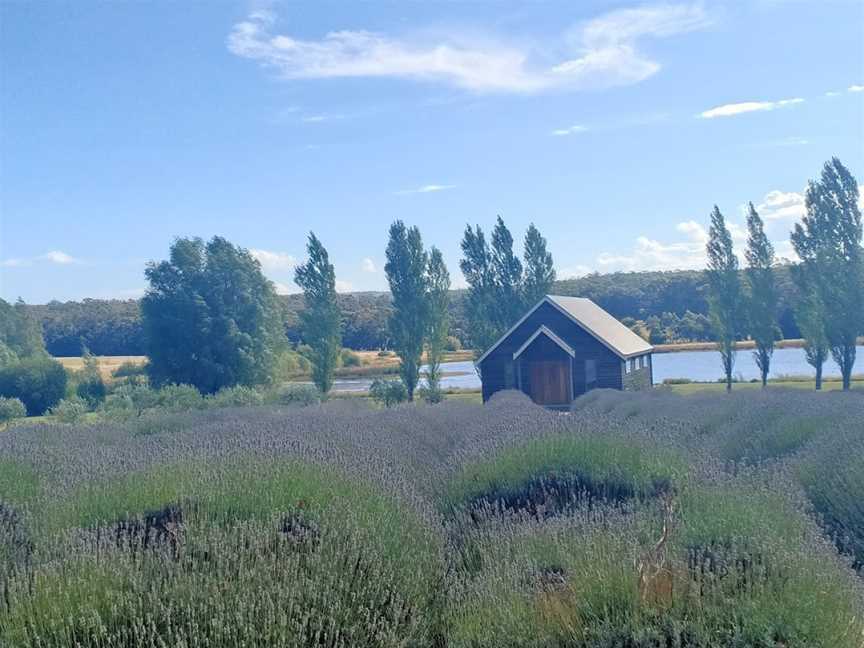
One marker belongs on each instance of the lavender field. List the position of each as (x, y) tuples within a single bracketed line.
[(638, 520)]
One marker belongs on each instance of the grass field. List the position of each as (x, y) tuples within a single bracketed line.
[(643, 520)]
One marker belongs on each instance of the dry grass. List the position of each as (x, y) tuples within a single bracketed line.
[(107, 364)]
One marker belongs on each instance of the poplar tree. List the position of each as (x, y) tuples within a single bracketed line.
[(507, 274), (724, 291), (438, 298), (762, 295), (828, 242), (539, 269), (476, 266), (320, 321), (810, 317), (406, 267)]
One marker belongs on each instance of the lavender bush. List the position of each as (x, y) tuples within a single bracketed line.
[(636, 520)]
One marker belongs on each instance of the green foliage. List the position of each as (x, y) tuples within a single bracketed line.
[(476, 266), (406, 268), (39, 382), (302, 395), (237, 396), (90, 387), (828, 242), (69, 410), (20, 333), (590, 463), (211, 318), (11, 408), (507, 275), (321, 319), (761, 298), (725, 300), (349, 358), (438, 296), (811, 320), (539, 268), (388, 392)]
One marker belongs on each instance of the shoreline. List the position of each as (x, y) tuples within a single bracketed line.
[(743, 345)]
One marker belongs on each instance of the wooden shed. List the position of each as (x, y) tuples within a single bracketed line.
[(562, 348)]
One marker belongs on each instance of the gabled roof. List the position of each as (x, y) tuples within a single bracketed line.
[(549, 334), (585, 313)]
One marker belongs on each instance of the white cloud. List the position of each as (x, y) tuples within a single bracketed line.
[(856, 88), (273, 260), (429, 188), (343, 286), (600, 52), (832, 93), (317, 119), (778, 205), (56, 257), (570, 130), (730, 110), (368, 265)]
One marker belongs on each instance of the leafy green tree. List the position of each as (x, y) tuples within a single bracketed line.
[(539, 268), (828, 242), (20, 332), (211, 318), (438, 296), (406, 267), (810, 317), (321, 319), (90, 388), (476, 266), (507, 273), (724, 287), (761, 300), (38, 381)]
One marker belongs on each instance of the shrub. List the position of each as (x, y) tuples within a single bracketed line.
[(69, 410), (677, 381), (297, 395), (388, 392), (384, 353), (92, 391), (237, 396), (453, 343), (178, 398), (349, 358), (130, 369), (11, 408), (39, 383)]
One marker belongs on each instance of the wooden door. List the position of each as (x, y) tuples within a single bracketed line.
[(550, 382)]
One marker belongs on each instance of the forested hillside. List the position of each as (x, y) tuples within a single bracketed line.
[(668, 306)]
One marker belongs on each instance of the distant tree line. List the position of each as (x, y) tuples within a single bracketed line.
[(663, 306)]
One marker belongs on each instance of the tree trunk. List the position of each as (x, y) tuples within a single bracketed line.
[(819, 377), (764, 379)]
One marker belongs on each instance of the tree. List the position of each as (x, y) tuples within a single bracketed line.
[(539, 269), (828, 242), (761, 298), (476, 266), (210, 317), (724, 289), (321, 319), (20, 332), (810, 317), (406, 266), (438, 296), (507, 275)]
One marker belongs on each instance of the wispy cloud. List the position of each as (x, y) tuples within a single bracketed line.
[(856, 88), (55, 257), (429, 188), (597, 53), (368, 265), (730, 110), (273, 260), (317, 119), (570, 130)]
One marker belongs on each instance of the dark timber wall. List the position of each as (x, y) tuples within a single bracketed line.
[(499, 372)]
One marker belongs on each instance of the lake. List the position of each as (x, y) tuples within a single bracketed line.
[(703, 366)]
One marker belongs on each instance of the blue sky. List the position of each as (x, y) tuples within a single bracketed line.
[(613, 126)]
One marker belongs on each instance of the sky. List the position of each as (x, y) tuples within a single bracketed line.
[(613, 126)]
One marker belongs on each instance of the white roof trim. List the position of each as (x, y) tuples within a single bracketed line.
[(563, 311), (545, 331)]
